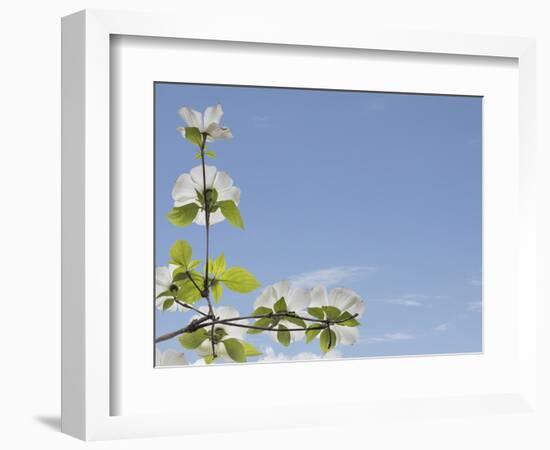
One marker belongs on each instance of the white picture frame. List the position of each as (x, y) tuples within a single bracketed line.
[(87, 326)]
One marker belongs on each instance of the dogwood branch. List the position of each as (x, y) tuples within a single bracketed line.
[(202, 323)]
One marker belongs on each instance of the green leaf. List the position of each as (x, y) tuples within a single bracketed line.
[(296, 321), (331, 312), (167, 304), (191, 341), (218, 266), (165, 294), (182, 216), (193, 135), (187, 291), (280, 305), (198, 155), (261, 311), (209, 359), (239, 280), (211, 197), (283, 335), (231, 212), (217, 290), (235, 349), (194, 263), (264, 323), (210, 153), (250, 350), (327, 340), (341, 319), (181, 253), (200, 197), (312, 332), (318, 313)]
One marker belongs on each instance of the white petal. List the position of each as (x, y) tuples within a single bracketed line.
[(233, 193), (184, 190), (343, 298), (226, 312), (217, 133), (266, 298), (172, 358), (346, 335), (216, 217), (163, 277), (282, 289), (357, 308), (294, 335), (318, 296), (192, 118), (299, 299), (212, 116), (197, 176), (222, 181)]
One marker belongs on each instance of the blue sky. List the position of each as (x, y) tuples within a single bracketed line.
[(377, 192)]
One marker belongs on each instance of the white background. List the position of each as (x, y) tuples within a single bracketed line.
[(30, 138)]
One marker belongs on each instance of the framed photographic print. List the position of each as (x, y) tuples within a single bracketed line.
[(360, 200), (288, 209)]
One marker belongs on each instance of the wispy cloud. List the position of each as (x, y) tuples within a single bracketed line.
[(442, 327), (269, 355), (415, 300), (331, 276), (389, 337), (474, 306)]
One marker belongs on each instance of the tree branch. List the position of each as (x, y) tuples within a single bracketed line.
[(201, 323)]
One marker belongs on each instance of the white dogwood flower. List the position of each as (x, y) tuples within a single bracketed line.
[(297, 300), (170, 358), (208, 123), (345, 300), (221, 332), (163, 283), (187, 185)]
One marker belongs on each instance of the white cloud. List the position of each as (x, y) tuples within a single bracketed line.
[(474, 306), (271, 356), (389, 337), (331, 276), (442, 327), (405, 300)]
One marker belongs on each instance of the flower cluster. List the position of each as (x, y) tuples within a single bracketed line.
[(315, 303), (206, 196)]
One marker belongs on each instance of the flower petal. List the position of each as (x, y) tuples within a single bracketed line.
[(184, 190), (299, 299), (217, 133), (233, 193), (346, 335), (197, 176), (281, 289), (343, 299), (266, 298), (212, 116), (163, 279), (318, 296), (215, 217), (170, 358), (192, 118), (222, 181)]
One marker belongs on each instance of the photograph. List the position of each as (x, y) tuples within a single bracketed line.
[(299, 224)]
